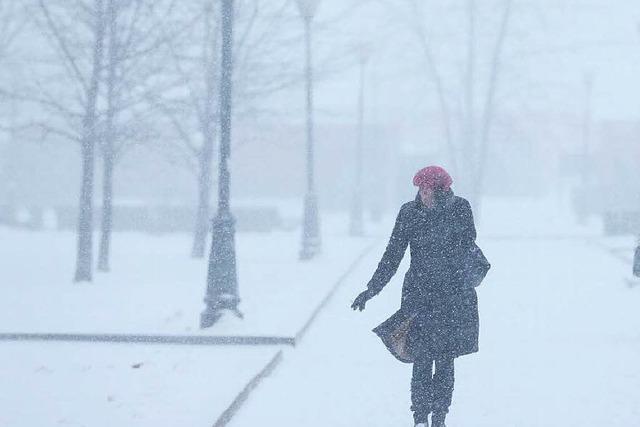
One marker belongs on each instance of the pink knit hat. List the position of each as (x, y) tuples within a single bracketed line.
[(433, 177)]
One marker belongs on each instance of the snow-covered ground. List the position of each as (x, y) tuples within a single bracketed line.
[(155, 288), (560, 333), (106, 385), (560, 339)]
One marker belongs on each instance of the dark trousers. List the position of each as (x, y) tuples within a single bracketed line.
[(431, 391)]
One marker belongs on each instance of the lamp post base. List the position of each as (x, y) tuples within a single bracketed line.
[(211, 315), (222, 279), (310, 229)]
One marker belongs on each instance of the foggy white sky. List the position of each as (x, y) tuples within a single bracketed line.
[(552, 46)]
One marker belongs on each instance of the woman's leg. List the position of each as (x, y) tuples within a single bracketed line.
[(443, 380), (422, 390)]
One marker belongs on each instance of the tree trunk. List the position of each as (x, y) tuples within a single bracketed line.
[(85, 219), (107, 212), (108, 148), (490, 103), (204, 193)]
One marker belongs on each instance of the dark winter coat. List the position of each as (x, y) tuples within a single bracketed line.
[(438, 317)]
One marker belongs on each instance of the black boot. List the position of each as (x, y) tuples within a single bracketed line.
[(437, 419)]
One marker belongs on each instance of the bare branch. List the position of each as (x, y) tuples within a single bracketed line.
[(46, 129), (425, 44), (63, 45), (182, 133)]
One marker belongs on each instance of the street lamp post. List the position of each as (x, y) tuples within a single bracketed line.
[(357, 226), (222, 279), (311, 224)]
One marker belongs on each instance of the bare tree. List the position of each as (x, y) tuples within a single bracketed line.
[(263, 65), (12, 20), (489, 107), (267, 59), (136, 31), (468, 133), (77, 33), (104, 63), (419, 30), (198, 71)]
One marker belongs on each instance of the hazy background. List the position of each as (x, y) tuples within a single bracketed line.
[(551, 48)]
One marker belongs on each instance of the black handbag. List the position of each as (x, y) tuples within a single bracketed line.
[(475, 267), (636, 262)]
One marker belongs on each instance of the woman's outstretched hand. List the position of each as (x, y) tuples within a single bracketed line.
[(361, 300)]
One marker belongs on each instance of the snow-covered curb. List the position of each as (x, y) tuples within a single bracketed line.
[(242, 397)]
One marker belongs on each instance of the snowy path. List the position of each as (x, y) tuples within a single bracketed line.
[(106, 385), (560, 346)]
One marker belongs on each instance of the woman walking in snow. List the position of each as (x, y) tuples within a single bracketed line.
[(438, 318)]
